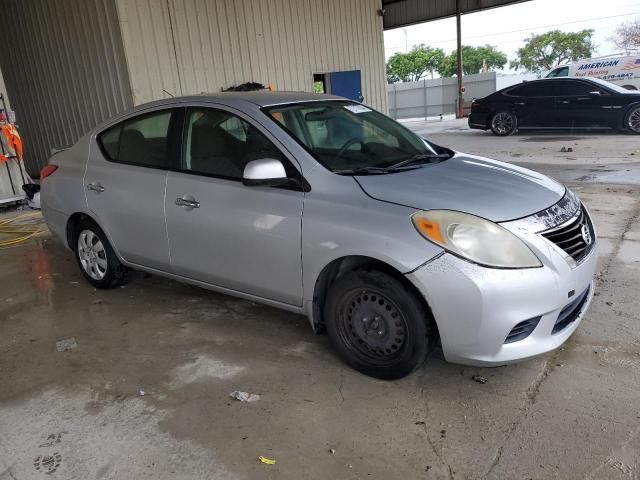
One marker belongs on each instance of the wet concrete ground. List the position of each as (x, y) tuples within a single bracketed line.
[(79, 414)]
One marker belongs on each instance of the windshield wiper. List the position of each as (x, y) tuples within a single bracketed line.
[(363, 171), (418, 157)]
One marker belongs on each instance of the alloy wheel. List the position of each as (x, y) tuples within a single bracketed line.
[(502, 123), (633, 121), (92, 255)]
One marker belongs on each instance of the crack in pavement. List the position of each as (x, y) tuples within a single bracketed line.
[(610, 460), (533, 389), (531, 395), (427, 415)]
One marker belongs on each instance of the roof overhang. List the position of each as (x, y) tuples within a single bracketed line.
[(400, 13)]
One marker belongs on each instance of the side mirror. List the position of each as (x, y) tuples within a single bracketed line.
[(595, 93), (267, 172)]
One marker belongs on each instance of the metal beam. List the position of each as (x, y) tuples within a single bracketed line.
[(400, 13), (460, 112)]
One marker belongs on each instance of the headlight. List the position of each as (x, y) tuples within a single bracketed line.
[(474, 239)]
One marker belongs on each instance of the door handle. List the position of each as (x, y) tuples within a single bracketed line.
[(519, 103), (95, 187), (563, 101), (188, 203)]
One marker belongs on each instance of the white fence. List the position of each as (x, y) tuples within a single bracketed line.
[(429, 98)]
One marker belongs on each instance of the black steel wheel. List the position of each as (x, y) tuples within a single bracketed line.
[(503, 123), (376, 325)]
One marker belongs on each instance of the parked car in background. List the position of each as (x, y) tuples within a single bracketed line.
[(558, 103), (322, 206), (622, 70)]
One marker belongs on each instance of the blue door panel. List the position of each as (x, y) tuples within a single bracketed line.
[(346, 84)]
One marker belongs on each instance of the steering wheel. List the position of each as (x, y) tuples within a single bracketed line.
[(346, 146)]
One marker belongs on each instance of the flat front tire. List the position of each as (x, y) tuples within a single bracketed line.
[(96, 258), (503, 123), (377, 325)]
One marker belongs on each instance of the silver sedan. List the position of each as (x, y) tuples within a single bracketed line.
[(325, 207)]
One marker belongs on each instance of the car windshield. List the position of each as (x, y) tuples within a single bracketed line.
[(348, 137), (611, 86)]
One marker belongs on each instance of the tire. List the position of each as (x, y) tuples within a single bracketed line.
[(376, 325), (503, 123), (632, 120), (96, 258)]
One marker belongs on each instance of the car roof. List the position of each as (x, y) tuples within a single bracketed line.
[(238, 100), (545, 80), (261, 98)]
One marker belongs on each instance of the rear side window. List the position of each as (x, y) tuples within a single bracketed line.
[(142, 140), (536, 89)]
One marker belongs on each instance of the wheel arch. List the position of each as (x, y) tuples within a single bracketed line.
[(75, 220), (339, 266)]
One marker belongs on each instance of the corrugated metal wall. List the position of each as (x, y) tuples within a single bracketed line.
[(3, 90), (194, 46), (64, 69)]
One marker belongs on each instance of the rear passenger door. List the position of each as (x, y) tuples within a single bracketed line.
[(533, 104), (125, 184), (221, 232)]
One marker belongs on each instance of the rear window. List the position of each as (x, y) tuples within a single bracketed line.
[(141, 140)]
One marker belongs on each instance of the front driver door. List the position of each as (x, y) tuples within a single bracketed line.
[(221, 232), (582, 104)]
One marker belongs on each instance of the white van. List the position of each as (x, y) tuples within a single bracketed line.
[(621, 70)]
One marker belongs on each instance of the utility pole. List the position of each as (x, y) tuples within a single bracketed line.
[(460, 112)]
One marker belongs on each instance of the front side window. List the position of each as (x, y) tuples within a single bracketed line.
[(570, 88), (220, 144), (142, 140), (345, 136)]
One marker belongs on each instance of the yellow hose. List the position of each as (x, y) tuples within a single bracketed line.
[(27, 226)]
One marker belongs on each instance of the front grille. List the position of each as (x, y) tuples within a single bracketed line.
[(522, 330), (569, 313), (576, 238)]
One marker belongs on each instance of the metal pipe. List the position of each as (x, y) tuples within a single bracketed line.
[(460, 112)]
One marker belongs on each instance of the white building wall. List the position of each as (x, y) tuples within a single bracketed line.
[(193, 46)]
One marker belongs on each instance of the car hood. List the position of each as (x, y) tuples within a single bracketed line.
[(487, 188)]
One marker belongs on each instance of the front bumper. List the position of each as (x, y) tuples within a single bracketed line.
[(476, 307)]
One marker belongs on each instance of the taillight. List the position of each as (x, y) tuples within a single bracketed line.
[(47, 171), (475, 103)]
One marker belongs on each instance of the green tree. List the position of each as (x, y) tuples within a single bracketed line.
[(548, 50), (473, 60), (412, 66)]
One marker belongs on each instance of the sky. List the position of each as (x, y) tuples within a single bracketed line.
[(508, 27)]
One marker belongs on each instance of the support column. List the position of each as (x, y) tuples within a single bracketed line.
[(460, 112)]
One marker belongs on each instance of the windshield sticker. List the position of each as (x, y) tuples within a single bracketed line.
[(357, 108)]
